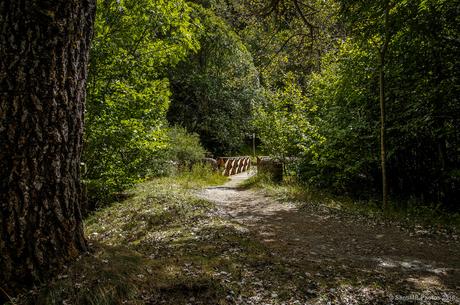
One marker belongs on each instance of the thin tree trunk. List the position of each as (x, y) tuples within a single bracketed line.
[(383, 153), (43, 67), (382, 132)]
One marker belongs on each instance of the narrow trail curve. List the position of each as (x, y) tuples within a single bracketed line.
[(336, 249)]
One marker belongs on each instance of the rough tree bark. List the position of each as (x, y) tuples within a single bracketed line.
[(44, 49)]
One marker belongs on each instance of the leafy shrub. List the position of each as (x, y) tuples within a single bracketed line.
[(184, 148), (283, 121), (111, 172)]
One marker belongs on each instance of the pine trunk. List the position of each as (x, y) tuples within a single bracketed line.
[(44, 49)]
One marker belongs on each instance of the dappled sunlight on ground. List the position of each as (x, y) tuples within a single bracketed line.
[(165, 245), (347, 258)]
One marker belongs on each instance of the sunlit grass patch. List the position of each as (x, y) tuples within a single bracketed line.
[(196, 177), (157, 204)]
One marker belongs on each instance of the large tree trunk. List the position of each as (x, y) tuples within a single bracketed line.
[(44, 49)]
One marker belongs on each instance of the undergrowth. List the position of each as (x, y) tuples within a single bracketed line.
[(407, 212), (165, 245)]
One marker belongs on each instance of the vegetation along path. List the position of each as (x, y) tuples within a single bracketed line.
[(337, 258)]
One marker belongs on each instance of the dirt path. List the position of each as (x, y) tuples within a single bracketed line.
[(354, 260)]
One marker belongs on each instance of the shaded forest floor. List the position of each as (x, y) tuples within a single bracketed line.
[(176, 243)]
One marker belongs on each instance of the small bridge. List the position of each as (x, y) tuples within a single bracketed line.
[(233, 165)]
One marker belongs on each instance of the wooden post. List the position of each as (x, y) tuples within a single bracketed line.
[(254, 145)]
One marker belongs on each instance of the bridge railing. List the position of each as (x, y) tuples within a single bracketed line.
[(233, 165)]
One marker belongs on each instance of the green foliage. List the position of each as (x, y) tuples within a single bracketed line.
[(213, 90), (135, 43), (422, 104), (306, 90), (283, 123), (282, 42), (347, 118), (184, 148)]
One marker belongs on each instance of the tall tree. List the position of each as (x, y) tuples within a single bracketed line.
[(382, 51), (43, 66), (377, 26)]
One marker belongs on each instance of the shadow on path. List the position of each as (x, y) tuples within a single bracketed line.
[(344, 252)]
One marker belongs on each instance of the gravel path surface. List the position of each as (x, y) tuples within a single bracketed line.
[(350, 259)]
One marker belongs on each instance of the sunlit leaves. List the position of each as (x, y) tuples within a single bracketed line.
[(284, 122), (136, 42)]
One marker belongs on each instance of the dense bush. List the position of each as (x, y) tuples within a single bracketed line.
[(180, 150), (184, 148)]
